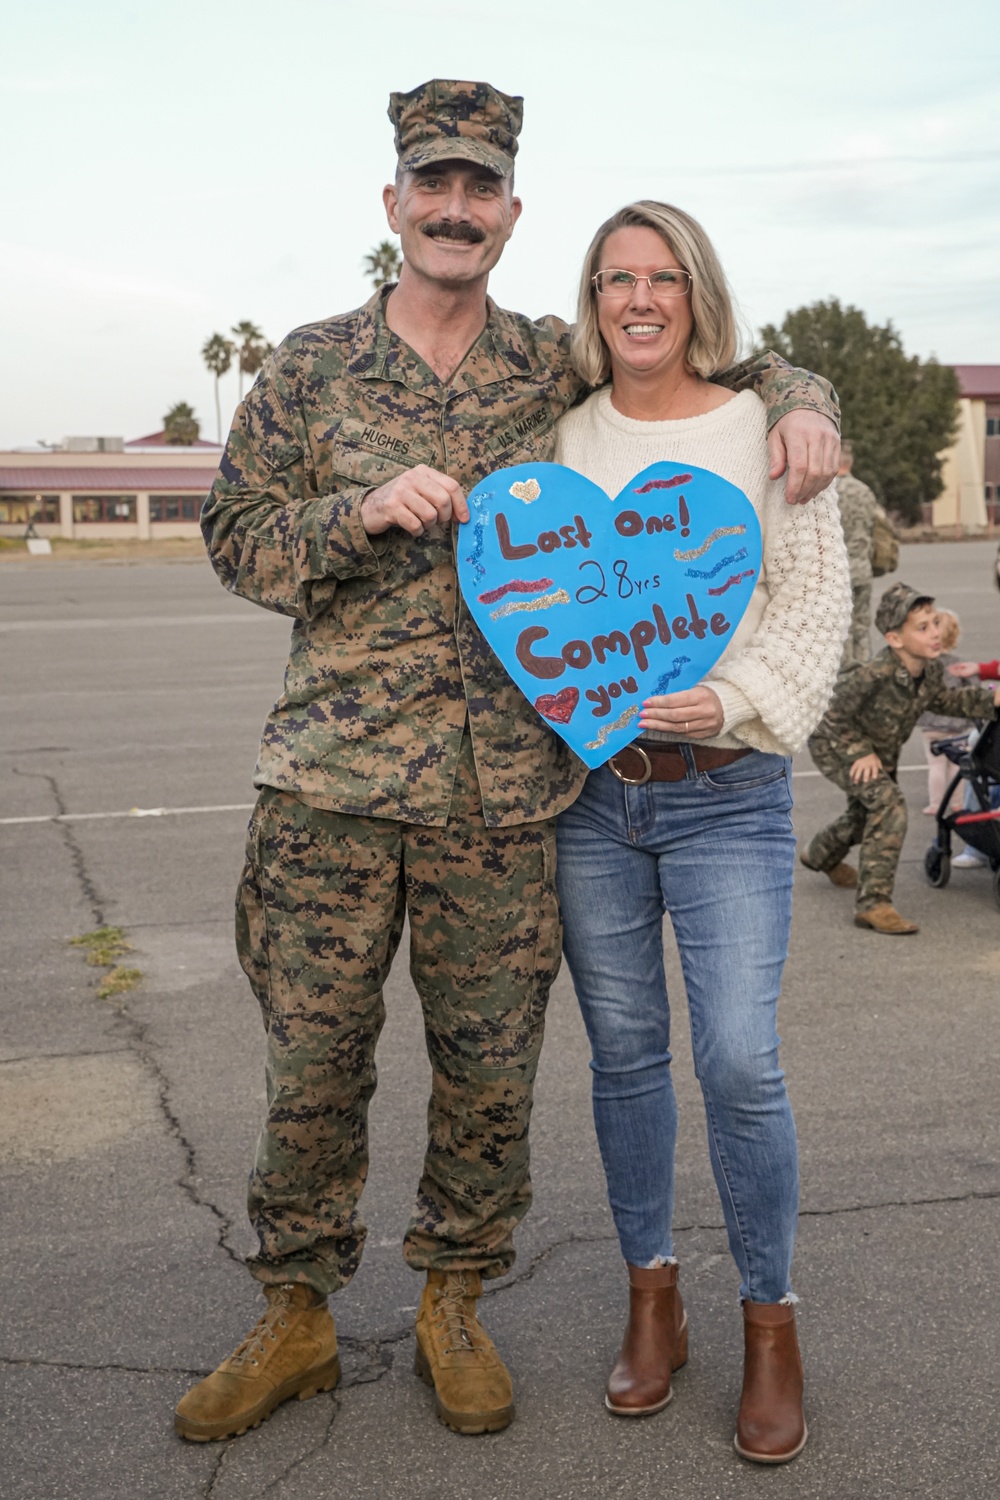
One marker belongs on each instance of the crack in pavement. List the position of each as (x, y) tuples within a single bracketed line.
[(64, 1364), (136, 1034), (69, 841), (374, 1353), (23, 1057), (974, 1195), (311, 1452), (216, 1473)]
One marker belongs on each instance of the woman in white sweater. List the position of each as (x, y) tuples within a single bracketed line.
[(693, 819)]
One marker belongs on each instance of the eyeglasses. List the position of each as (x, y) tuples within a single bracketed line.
[(618, 283)]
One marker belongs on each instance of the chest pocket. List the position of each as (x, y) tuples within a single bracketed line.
[(369, 453)]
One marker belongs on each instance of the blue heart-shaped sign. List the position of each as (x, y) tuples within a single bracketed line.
[(594, 604)]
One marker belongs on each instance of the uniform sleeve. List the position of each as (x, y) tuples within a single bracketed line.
[(269, 538), (853, 689), (962, 702), (782, 387), (785, 673)]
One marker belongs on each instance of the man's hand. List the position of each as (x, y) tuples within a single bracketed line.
[(807, 444), (866, 768), (696, 714), (413, 501)]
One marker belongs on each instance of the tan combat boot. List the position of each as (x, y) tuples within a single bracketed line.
[(844, 875), (458, 1358), (291, 1352), (885, 918)]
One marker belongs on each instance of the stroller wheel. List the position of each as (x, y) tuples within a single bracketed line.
[(937, 868)]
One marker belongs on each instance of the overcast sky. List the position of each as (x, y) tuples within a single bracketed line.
[(169, 170)]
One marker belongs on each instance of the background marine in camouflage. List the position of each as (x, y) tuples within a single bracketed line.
[(858, 509), (401, 770)]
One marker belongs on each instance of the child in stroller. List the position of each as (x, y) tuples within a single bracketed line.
[(977, 762)]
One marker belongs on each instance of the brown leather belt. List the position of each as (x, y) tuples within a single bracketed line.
[(637, 764)]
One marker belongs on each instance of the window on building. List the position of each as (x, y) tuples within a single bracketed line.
[(993, 426), (18, 510), (175, 507), (103, 507)]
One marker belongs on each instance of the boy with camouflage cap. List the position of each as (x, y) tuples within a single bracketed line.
[(873, 712)]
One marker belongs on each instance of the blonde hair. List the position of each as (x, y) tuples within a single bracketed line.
[(712, 346), (951, 629)]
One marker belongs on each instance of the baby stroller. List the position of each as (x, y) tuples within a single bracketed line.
[(978, 826)]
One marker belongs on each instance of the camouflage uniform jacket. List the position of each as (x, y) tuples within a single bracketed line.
[(858, 509), (386, 665), (877, 703)]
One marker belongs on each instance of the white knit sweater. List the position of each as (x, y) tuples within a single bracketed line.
[(776, 675)]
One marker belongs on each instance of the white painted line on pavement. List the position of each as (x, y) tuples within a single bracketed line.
[(177, 812), (132, 812), (819, 773)]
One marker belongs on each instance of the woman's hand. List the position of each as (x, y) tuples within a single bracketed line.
[(695, 715), (963, 668)]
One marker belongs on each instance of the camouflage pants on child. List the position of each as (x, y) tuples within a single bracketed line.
[(319, 917), (875, 818)]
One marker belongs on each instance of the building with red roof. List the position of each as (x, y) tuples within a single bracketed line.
[(105, 487), (971, 472)]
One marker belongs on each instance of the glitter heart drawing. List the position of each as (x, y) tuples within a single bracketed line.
[(594, 604)]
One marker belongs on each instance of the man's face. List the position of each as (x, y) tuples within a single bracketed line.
[(919, 636), (453, 220)]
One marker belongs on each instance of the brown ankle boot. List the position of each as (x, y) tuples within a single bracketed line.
[(771, 1427), (655, 1344)]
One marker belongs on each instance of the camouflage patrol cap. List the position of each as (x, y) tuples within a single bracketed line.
[(896, 603), (444, 119)]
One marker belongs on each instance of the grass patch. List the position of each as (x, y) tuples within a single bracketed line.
[(104, 946), (118, 981)]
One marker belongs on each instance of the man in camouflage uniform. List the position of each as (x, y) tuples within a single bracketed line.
[(401, 770), (872, 714), (858, 509)]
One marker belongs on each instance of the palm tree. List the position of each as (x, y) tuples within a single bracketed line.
[(252, 351), (217, 352), (383, 263), (180, 425)]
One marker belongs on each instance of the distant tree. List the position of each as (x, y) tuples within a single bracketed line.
[(217, 352), (180, 425), (383, 263), (899, 411), (252, 350)]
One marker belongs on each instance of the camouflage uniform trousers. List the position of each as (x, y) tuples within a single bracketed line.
[(858, 646), (319, 917), (875, 818)]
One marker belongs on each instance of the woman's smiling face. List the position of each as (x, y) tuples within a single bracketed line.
[(646, 334)]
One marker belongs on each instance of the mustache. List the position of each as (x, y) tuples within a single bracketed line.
[(443, 229)]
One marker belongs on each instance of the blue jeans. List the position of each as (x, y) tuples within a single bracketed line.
[(715, 851)]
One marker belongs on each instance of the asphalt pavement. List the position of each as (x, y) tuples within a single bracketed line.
[(131, 701)]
